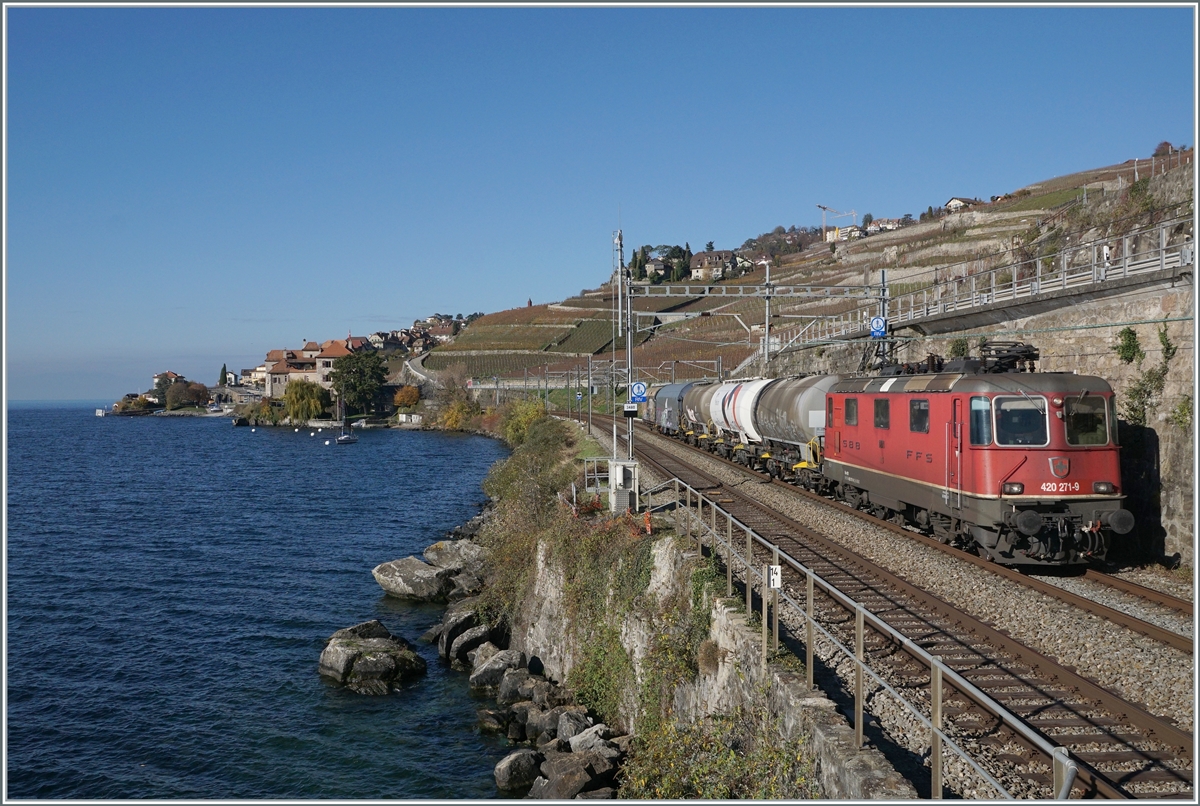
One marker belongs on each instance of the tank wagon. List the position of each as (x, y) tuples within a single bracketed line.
[(1020, 467), (695, 423), (664, 407)]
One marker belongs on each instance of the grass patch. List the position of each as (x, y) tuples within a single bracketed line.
[(1045, 201)]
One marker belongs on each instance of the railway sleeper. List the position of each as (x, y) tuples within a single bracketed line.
[(1113, 756), (1078, 739)]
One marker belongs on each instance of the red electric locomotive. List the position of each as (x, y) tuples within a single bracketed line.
[(1024, 467)]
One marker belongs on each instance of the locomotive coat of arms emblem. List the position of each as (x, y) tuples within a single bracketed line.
[(1060, 466)]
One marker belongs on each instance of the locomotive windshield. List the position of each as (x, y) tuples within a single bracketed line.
[(1087, 420), (1021, 421)]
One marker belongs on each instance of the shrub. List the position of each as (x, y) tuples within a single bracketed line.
[(517, 419), (1128, 349), (720, 758), (406, 397), (1181, 415)]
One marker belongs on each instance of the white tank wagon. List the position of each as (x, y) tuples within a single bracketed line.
[(789, 416), (731, 410)]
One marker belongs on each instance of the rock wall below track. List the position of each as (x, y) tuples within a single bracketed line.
[(733, 680)]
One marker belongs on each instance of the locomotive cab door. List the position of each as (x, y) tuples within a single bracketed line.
[(954, 450)]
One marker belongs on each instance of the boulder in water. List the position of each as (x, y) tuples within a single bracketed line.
[(368, 659), (410, 578), (457, 555)]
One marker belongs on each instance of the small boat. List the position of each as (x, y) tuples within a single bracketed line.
[(101, 412), (346, 437)]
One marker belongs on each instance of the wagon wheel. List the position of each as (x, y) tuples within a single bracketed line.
[(941, 527)]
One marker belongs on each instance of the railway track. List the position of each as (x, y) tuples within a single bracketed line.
[(1181, 606), (1184, 643), (1122, 749)]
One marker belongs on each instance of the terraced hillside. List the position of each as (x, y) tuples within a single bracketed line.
[(1039, 219), (504, 344)]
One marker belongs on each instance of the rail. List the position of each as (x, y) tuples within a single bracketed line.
[(1073, 268), (688, 522)]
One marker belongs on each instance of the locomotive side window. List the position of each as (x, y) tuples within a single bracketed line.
[(1112, 419), (829, 410), (918, 416), (1021, 421), (882, 413), (1087, 421), (981, 421), (852, 411)]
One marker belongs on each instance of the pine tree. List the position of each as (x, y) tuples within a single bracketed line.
[(221, 380)]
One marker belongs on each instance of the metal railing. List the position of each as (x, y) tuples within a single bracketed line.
[(762, 290), (595, 474), (1072, 268), (693, 525)]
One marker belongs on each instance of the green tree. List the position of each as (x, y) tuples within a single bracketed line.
[(221, 380), (304, 400), (867, 219), (182, 394), (708, 247), (358, 377), (161, 387)]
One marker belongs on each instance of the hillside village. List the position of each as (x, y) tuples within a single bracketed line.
[(313, 363)]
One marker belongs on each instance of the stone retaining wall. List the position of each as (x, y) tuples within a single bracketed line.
[(844, 771)]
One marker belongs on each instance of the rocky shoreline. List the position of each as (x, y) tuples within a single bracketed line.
[(561, 751)]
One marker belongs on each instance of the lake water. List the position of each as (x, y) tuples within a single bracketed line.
[(171, 582)]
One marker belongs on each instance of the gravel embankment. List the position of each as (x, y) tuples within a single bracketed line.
[(1129, 663)]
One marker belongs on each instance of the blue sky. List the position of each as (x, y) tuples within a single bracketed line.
[(191, 187)]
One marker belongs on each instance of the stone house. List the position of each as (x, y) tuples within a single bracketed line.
[(958, 203), (656, 266), (171, 377), (711, 266), (293, 366), (443, 331), (330, 352)]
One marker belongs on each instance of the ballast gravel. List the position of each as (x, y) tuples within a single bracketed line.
[(1133, 665)]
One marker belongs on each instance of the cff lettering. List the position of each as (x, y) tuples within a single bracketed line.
[(919, 456)]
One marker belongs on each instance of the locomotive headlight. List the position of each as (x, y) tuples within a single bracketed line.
[(1104, 487), (1058, 401), (1013, 488)]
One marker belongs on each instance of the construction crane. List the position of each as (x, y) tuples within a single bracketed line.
[(835, 214)]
